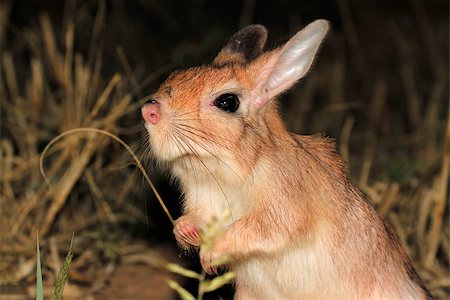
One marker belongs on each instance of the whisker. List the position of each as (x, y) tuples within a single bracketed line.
[(205, 135), (181, 144), (192, 150), (132, 129), (218, 184), (215, 156)]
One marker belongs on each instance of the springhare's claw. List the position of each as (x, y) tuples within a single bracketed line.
[(186, 232), (209, 260)]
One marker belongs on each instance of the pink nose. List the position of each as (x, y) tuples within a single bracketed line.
[(151, 112)]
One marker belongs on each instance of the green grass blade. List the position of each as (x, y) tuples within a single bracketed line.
[(39, 286), (217, 282), (184, 294), (182, 271), (63, 273)]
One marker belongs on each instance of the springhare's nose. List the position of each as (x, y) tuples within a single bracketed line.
[(151, 111)]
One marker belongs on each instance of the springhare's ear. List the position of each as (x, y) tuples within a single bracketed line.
[(286, 65), (244, 46)]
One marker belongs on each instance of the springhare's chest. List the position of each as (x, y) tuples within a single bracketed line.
[(213, 189)]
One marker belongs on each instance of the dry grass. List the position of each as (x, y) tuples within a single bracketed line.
[(62, 91), (59, 89)]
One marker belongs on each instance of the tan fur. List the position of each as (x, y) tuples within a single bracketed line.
[(299, 229)]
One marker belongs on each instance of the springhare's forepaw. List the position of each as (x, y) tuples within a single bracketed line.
[(186, 232), (210, 261)]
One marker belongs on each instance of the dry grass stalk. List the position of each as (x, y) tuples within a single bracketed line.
[(73, 101), (440, 197)]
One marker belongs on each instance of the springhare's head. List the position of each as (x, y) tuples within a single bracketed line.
[(222, 110)]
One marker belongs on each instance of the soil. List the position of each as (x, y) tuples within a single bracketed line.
[(142, 282), (130, 280), (137, 282)]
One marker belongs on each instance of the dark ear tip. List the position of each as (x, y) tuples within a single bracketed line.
[(249, 41), (243, 46), (255, 32), (255, 28)]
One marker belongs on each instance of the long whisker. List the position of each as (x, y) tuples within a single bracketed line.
[(192, 150), (209, 151), (182, 145), (132, 129), (205, 134)]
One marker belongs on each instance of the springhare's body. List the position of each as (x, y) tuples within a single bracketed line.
[(298, 228)]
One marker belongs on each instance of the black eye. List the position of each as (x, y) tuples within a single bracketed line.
[(227, 102)]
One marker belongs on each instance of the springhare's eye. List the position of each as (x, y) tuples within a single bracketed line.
[(227, 102)]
